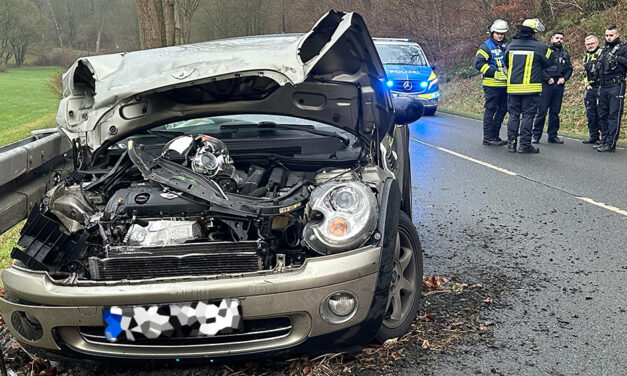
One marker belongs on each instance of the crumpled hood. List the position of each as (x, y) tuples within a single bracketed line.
[(332, 74), (407, 72)]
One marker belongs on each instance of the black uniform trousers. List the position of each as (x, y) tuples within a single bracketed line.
[(495, 110), (527, 106), (592, 113), (611, 104), (550, 101)]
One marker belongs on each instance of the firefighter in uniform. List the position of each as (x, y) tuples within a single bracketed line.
[(612, 66), (489, 60), (553, 82), (526, 59), (591, 83)]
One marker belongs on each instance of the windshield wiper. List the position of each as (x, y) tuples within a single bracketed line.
[(305, 128)]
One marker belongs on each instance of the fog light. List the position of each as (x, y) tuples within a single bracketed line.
[(339, 307)]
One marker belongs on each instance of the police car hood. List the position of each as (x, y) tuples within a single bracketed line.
[(331, 74), (407, 72)]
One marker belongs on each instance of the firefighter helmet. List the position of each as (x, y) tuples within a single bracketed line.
[(499, 26), (534, 23)]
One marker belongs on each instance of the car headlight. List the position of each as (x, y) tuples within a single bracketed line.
[(342, 215), (432, 83)]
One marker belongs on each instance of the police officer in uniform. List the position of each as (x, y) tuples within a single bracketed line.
[(612, 65), (526, 59), (591, 83), (553, 82), (489, 60)]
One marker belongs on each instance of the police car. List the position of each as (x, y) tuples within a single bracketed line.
[(408, 71)]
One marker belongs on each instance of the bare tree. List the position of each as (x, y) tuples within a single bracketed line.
[(56, 24), (184, 12), (20, 24), (165, 22), (151, 23), (99, 9)]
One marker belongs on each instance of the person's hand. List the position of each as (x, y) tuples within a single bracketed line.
[(588, 87), (551, 81), (561, 81)]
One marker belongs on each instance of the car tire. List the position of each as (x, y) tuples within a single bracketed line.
[(430, 111), (406, 285)]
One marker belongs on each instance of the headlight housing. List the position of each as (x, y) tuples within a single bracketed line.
[(342, 215), (432, 83)]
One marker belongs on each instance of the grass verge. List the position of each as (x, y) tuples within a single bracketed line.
[(26, 104)]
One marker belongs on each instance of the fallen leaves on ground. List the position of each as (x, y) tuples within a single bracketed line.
[(434, 282)]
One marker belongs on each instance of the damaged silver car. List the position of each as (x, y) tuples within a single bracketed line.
[(228, 198)]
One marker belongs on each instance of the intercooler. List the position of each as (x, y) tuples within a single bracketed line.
[(142, 262)]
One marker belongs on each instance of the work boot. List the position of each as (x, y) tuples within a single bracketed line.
[(511, 146), (555, 140), (535, 140), (606, 148), (590, 141), (529, 150), (494, 142), (597, 146)]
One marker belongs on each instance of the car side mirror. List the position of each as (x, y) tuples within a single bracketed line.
[(407, 110)]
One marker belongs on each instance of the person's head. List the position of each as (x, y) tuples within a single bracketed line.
[(591, 42), (557, 39), (611, 33), (498, 29), (532, 24)]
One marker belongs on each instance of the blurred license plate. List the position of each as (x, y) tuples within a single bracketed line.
[(184, 320)]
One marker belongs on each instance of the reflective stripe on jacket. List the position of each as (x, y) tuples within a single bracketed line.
[(590, 71), (526, 58), (489, 60)]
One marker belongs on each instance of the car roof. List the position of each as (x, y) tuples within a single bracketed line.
[(393, 41)]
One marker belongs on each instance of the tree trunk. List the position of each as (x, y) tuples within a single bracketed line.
[(98, 35), (169, 15), (151, 23), (55, 24)]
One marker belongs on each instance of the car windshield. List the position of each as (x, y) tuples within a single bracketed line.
[(401, 54)]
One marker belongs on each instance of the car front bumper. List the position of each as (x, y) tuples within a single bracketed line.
[(64, 307), (429, 101)]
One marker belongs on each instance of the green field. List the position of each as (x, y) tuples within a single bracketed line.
[(26, 104)]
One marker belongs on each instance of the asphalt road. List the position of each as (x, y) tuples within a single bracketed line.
[(549, 228)]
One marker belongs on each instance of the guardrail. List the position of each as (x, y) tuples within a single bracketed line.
[(25, 168)]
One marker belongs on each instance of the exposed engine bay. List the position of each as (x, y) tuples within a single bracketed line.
[(193, 209)]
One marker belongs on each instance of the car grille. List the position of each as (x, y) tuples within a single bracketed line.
[(179, 260), (253, 330), (415, 86)]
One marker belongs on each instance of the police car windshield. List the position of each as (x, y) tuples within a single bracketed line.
[(401, 54)]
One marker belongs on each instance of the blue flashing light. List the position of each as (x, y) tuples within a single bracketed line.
[(390, 83), (424, 84), (178, 360)]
